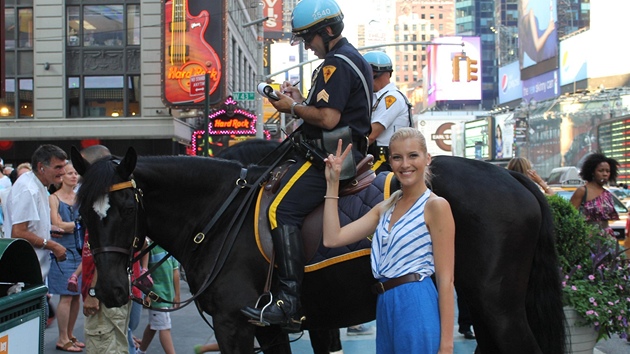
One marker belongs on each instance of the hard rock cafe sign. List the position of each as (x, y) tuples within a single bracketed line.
[(188, 53), (229, 119)]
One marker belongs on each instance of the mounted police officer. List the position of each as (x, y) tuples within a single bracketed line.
[(338, 106), (390, 111)]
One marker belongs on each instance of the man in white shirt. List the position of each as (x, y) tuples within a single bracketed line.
[(391, 109), (27, 208)]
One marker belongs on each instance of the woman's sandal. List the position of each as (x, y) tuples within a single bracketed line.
[(73, 283), (76, 342)]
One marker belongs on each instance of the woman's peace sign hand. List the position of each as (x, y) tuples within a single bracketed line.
[(334, 162)]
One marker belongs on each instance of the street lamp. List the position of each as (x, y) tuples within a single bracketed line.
[(261, 67)]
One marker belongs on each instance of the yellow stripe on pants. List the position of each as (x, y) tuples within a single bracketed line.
[(273, 222)]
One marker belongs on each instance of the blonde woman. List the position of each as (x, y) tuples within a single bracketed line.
[(414, 238), (63, 213), (522, 165)]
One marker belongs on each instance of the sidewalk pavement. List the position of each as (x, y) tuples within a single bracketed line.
[(189, 330)]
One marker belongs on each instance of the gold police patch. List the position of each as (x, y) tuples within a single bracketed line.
[(323, 95), (389, 100), (328, 70)]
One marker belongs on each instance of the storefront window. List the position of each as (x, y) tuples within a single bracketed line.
[(104, 96)]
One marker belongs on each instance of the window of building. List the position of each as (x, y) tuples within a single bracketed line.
[(432, 28), (423, 16), (406, 57), (18, 43), (405, 27), (423, 28), (441, 27), (432, 16), (104, 96), (107, 85), (103, 25)]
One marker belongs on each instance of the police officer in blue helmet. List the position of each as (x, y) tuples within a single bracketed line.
[(337, 107)]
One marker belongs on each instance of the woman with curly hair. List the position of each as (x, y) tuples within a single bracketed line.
[(594, 201)]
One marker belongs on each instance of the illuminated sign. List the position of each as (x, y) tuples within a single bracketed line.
[(232, 120), (191, 48), (444, 70)]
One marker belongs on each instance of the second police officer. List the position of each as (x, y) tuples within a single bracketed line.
[(391, 109)]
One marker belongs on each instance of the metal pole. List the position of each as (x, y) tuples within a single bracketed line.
[(261, 76), (206, 113)]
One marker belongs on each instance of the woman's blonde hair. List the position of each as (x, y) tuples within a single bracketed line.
[(519, 164), (409, 133)]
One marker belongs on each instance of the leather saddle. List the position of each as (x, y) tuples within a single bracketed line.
[(312, 227)]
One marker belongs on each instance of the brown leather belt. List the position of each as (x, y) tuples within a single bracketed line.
[(382, 287)]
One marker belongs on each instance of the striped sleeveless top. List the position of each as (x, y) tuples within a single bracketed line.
[(407, 248)]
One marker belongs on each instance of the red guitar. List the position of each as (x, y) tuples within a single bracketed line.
[(187, 54)]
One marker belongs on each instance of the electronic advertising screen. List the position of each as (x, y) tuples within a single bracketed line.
[(192, 47), (477, 142), (538, 36), (614, 142), (447, 78)]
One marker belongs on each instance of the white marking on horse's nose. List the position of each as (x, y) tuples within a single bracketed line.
[(101, 206)]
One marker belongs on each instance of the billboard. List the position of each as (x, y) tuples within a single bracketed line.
[(272, 9), (574, 58), (510, 88), (541, 87), (192, 45), (504, 136), (438, 132), (442, 66), (537, 32)]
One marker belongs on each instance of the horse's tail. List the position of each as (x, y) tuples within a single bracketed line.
[(544, 293)]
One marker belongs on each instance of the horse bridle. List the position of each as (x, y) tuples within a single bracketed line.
[(135, 245)]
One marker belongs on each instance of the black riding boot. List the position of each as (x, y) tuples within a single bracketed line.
[(287, 243)]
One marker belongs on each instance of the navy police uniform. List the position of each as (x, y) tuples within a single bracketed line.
[(335, 85)]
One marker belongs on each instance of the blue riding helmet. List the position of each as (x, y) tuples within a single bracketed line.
[(309, 16), (379, 61)]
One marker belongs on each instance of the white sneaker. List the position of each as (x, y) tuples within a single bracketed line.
[(359, 330)]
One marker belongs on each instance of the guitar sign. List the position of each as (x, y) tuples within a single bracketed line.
[(187, 54)]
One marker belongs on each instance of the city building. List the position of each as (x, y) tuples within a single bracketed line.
[(81, 72)]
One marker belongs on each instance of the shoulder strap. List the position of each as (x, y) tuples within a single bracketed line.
[(409, 106), (361, 76), (584, 198)]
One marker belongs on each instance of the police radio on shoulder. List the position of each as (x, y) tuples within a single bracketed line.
[(267, 91)]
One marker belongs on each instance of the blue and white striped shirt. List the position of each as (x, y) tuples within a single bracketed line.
[(407, 248)]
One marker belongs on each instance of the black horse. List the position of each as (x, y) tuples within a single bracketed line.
[(505, 257)]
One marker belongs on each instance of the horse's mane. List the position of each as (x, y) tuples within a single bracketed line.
[(95, 183), (166, 171)]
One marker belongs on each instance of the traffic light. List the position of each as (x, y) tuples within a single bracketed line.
[(456, 59), (471, 66)]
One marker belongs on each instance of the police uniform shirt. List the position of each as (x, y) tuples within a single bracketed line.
[(338, 86), (392, 113)]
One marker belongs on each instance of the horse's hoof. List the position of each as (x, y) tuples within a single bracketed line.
[(469, 335)]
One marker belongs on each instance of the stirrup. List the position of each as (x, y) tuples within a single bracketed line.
[(261, 322)]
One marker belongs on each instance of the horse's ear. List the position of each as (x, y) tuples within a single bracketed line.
[(80, 164), (128, 163)]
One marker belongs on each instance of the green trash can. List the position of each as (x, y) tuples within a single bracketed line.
[(22, 298)]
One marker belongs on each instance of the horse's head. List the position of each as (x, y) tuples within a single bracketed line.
[(110, 206)]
